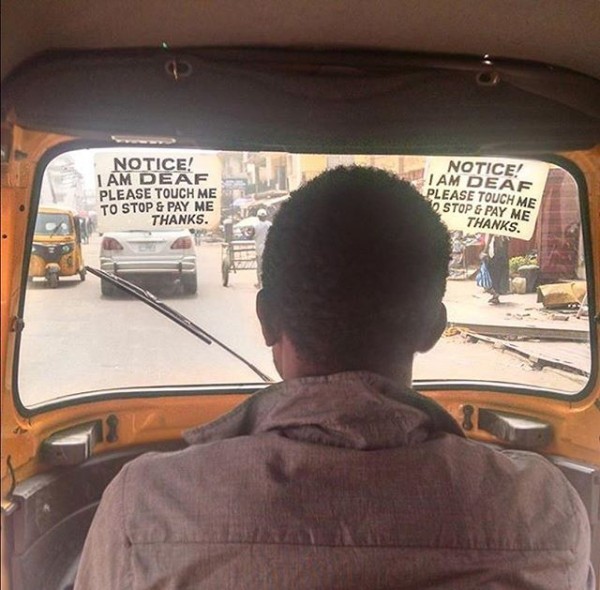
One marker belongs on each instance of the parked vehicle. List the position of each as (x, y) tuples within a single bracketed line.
[(56, 248), (157, 256)]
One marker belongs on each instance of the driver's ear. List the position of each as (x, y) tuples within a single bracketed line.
[(268, 318), (434, 330)]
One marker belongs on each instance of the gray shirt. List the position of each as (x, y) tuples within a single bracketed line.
[(339, 482)]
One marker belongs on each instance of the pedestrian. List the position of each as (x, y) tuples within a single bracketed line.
[(83, 230), (456, 264), (261, 229), (495, 255)]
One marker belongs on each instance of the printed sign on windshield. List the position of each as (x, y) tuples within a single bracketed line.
[(150, 189), (486, 195)]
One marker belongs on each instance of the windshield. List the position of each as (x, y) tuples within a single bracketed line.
[(53, 224), (189, 225)]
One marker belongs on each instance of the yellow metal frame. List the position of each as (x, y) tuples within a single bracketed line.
[(143, 420)]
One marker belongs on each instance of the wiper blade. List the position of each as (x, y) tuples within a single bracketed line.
[(55, 230), (152, 301)]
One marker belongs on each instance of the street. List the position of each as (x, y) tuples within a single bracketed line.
[(75, 340)]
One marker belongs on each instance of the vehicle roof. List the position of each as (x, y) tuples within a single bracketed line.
[(559, 32), (155, 230), (490, 76), (57, 209)]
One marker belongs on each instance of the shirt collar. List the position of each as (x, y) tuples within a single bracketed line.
[(353, 409)]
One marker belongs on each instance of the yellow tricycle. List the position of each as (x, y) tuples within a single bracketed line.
[(56, 250)]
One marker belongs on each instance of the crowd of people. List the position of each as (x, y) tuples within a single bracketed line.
[(87, 227)]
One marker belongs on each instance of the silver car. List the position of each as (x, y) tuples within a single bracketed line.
[(150, 256)]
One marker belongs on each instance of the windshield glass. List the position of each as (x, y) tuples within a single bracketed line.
[(53, 224), (188, 226)]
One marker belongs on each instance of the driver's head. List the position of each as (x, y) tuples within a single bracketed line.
[(354, 269)]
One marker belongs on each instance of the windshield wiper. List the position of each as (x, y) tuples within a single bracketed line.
[(151, 300), (55, 230)]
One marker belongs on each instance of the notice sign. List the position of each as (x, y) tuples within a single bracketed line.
[(486, 195), (152, 189)]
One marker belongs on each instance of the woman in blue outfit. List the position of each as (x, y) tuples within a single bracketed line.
[(495, 254)]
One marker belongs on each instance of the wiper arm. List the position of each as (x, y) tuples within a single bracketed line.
[(55, 230), (152, 301)]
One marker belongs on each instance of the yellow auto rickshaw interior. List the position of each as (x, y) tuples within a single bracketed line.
[(298, 102)]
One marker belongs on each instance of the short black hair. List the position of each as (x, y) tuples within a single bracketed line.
[(355, 260)]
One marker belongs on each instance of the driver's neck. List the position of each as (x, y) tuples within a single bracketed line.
[(291, 365)]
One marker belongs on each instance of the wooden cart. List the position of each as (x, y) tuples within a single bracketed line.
[(237, 255)]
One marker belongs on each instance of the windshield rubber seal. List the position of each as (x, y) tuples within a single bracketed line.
[(248, 388)]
